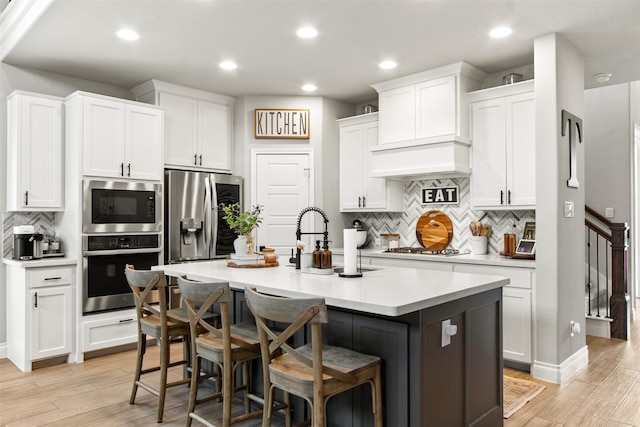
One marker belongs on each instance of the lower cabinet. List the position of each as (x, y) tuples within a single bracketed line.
[(39, 313), (109, 330)]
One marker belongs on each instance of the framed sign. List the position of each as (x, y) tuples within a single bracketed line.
[(281, 123), (440, 195)]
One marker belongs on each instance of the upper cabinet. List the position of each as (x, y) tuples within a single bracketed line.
[(424, 123), (359, 192), (503, 141), (34, 152), (198, 125), (118, 138)]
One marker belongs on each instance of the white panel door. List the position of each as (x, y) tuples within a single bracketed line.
[(283, 188), (214, 129), (143, 143), (521, 150), (181, 129), (436, 107), (103, 138)]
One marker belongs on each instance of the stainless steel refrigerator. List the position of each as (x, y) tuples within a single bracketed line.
[(194, 225)]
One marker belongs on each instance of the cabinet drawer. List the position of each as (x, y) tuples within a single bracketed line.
[(109, 332), (520, 277), (50, 276)]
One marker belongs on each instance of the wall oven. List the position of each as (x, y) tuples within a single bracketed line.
[(121, 207), (103, 261)]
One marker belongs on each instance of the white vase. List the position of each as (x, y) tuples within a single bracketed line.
[(240, 245), (478, 245)]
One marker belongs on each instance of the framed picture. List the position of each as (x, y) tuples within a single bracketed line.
[(526, 247), (529, 231)]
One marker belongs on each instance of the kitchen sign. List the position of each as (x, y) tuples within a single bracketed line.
[(440, 196), (281, 123)]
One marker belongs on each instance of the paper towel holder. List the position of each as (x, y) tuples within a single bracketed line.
[(359, 269)]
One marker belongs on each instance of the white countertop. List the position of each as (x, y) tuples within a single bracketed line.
[(389, 291), (41, 262), (488, 259)]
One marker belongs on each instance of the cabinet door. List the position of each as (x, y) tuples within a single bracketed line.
[(521, 150), (143, 143), (397, 114), (214, 136), (36, 178), (436, 107), (488, 175), (180, 129), (375, 189), (103, 141), (351, 169), (516, 327), (51, 321)]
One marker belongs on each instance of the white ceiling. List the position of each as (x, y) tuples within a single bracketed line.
[(182, 41)]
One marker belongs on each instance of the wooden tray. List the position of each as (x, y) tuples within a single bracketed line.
[(260, 265), (518, 256)]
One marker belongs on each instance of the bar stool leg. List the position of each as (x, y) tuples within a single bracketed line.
[(142, 347), (164, 365)]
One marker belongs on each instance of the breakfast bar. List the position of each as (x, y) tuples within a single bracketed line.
[(438, 334)]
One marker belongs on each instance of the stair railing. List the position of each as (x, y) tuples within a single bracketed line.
[(616, 246)]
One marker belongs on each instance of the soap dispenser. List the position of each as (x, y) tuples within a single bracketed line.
[(317, 256), (327, 262)]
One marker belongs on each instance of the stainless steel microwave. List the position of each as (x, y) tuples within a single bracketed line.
[(121, 206)]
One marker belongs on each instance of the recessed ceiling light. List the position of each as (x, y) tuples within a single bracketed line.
[(307, 32), (228, 65), (127, 34), (602, 78), (500, 32), (309, 87), (387, 65)]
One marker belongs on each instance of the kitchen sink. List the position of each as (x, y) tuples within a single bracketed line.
[(341, 269)]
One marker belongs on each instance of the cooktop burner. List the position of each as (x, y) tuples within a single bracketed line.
[(423, 251)]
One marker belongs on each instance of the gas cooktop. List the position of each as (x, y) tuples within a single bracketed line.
[(422, 251)]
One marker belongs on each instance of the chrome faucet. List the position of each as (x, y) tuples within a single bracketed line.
[(299, 232)]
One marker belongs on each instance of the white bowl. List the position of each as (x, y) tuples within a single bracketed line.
[(362, 237)]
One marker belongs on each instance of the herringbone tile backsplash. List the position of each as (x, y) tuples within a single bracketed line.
[(43, 222), (461, 215)]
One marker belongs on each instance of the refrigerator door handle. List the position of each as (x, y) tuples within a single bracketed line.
[(207, 217), (214, 212)]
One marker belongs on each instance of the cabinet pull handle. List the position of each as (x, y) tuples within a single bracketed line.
[(125, 320), (35, 300), (52, 278), (121, 169), (26, 198), (359, 201), (509, 197), (364, 202), (195, 159), (501, 197), (200, 159), (129, 169)]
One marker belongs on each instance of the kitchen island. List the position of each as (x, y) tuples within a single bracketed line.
[(398, 314)]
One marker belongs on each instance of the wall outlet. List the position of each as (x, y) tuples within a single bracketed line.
[(608, 212)]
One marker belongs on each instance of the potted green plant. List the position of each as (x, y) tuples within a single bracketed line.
[(242, 223)]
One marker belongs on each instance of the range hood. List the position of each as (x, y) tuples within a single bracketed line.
[(444, 156), (424, 124)]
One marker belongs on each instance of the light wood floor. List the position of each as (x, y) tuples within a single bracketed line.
[(96, 393)]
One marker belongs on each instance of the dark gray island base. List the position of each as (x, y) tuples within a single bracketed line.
[(424, 383)]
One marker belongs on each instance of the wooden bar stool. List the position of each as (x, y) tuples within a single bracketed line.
[(315, 372), (155, 320), (228, 346)]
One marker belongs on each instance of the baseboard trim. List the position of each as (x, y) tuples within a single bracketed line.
[(598, 326), (559, 373), (3, 350)]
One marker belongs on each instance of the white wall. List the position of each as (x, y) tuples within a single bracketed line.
[(559, 293), (14, 78), (324, 140)]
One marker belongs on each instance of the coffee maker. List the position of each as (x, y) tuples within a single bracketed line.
[(27, 244)]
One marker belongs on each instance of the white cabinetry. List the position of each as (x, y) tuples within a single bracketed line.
[(109, 330), (423, 110), (119, 139), (34, 152), (198, 125), (39, 313), (517, 309), (503, 147), (359, 192)]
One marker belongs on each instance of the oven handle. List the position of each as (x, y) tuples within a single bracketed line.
[(120, 252)]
